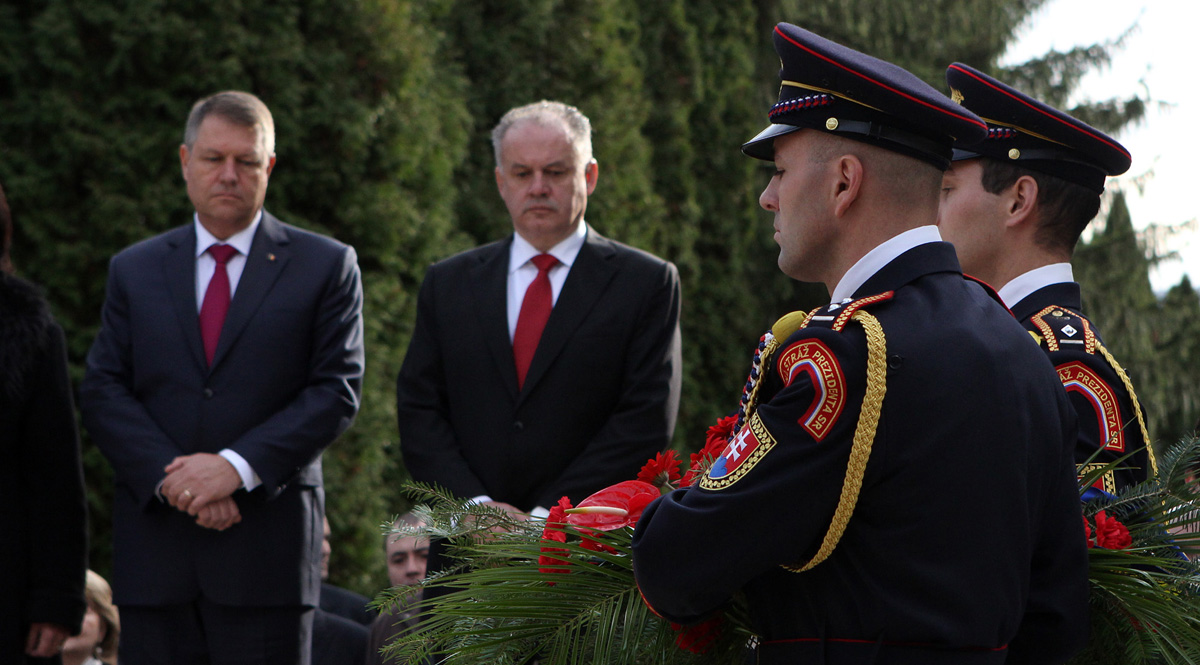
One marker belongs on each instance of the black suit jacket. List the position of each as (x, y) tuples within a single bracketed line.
[(1108, 422), (346, 604), (337, 640), (967, 532), (600, 397), (285, 382)]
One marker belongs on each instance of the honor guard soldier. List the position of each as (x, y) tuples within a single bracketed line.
[(1014, 205), (900, 486)]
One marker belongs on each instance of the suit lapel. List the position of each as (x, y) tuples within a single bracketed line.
[(593, 269), (489, 288), (268, 256), (179, 268)]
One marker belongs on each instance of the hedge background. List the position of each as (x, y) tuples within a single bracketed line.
[(383, 110)]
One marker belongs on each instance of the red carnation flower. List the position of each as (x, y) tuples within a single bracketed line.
[(595, 545), (1110, 533), (714, 444), (613, 507), (699, 637), (553, 532), (718, 436), (661, 471)]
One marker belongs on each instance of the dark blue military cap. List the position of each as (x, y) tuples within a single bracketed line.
[(835, 89), (1035, 136)]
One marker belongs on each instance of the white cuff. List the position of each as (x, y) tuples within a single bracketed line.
[(482, 498), (539, 512), (250, 479)]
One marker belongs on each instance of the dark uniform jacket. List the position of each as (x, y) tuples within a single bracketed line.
[(966, 543), (43, 514), (1109, 415)]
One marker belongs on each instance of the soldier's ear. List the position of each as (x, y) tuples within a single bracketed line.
[(848, 181), (1022, 200)]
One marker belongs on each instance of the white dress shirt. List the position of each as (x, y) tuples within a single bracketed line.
[(874, 260), (206, 265), (1025, 284), (521, 273)]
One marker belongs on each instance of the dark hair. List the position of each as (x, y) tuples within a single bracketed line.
[(5, 234), (1064, 208)]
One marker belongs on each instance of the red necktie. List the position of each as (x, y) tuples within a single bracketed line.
[(216, 300), (535, 310)]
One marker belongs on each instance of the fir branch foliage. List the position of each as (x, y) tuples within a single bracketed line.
[(501, 608), (1145, 599)]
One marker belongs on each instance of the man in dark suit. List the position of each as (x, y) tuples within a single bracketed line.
[(230, 355), (498, 410), (1014, 205), (899, 488)]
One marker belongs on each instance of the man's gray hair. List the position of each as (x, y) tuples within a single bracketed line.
[(579, 128), (240, 108)]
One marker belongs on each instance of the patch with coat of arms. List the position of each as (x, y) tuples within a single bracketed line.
[(745, 450)]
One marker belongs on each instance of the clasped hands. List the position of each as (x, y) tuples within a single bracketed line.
[(201, 485)]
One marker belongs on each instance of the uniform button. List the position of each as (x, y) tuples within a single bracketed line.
[(895, 362), (208, 393), (518, 426)]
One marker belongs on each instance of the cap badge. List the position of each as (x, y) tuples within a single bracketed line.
[(956, 96)]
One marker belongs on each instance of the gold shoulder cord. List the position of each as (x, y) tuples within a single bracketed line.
[(1137, 407), (864, 438)]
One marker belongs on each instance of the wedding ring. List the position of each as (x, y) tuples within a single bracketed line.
[(187, 493)]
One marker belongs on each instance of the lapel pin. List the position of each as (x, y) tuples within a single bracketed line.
[(270, 257)]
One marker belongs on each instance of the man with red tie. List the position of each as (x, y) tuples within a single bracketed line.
[(229, 356), (546, 364)]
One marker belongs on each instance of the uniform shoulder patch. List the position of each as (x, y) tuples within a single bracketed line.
[(1078, 378), (1061, 328), (745, 450), (814, 358)]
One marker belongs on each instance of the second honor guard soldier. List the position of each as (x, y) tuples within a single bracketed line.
[(901, 486), (1014, 205)]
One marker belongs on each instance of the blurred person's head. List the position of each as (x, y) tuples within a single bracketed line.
[(101, 626), (406, 555)]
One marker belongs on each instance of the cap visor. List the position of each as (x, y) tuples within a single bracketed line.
[(763, 146), (960, 154)]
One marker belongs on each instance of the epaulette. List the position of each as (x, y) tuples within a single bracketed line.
[(837, 315), (1061, 328)]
